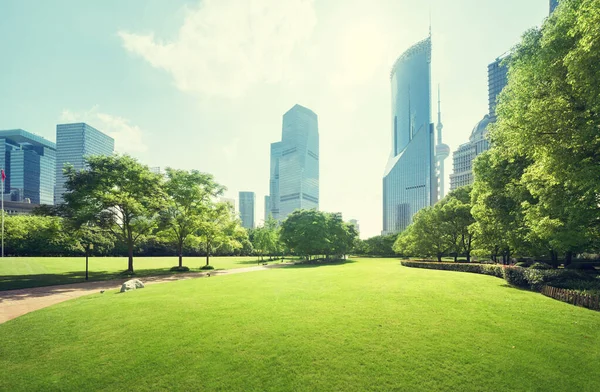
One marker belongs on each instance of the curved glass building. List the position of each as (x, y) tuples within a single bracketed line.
[(410, 181)]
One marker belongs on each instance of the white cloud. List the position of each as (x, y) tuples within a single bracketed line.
[(128, 137), (226, 46)]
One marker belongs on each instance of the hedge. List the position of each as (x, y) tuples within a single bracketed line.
[(486, 269)]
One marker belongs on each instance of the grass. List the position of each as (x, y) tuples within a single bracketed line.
[(365, 325), (25, 272)]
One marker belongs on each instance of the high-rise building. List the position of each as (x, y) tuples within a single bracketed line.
[(497, 80), (410, 182), (463, 157), (29, 163), (553, 5), (354, 223), (75, 142), (247, 203), (267, 207), (294, 182)]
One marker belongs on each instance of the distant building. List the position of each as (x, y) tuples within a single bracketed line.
[(156, 170), (19, 208), (354, 223), (228, 200), (29, 163), (267, 207), (463, 157), (553, 5), (497, 80), (294, 182), (410, 181), (75, 142), (247, 202)]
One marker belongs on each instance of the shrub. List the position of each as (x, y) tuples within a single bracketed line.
[(461, 267), (581, 267), (207, 267), (523, 264), (179, 269), (540, 266), (516, 276), (493, 270)]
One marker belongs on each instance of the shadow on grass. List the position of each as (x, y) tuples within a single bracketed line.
[(15, 282), (319, 263)]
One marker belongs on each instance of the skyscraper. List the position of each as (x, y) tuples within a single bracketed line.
[(29, 162), (267, 207), (553, 5), (294, 180), (75, 142), (463, 157), (497, 80), (247, 202), (410, 182)]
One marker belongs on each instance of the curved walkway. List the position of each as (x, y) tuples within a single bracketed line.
[(15, 303)]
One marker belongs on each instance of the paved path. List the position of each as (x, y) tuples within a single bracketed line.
[(15, 303)]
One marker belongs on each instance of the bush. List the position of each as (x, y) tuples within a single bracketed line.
[(540, 266), (207, 267), (516, 276), (581, 267), (179, 269), (523, 264), (493, 270), (461, 267)]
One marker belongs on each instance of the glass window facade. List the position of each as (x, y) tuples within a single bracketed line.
[(294, 182), (497, 80), (29, 163), (247, 203), (74, 142), (410, 179)]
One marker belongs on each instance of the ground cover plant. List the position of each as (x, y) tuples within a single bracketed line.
[(23, 272), (368, 324)]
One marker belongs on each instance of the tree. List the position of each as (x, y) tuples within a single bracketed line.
[(120, 194), (189, 195), (549, 113), (265, 239), (456, 211), (428, 235), (220, 227)]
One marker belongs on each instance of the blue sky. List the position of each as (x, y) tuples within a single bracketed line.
[(203, 85)]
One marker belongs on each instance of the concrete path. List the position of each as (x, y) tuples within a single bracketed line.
[(15, 303)]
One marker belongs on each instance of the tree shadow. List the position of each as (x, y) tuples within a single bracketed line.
[(319, 263), (17, 282)]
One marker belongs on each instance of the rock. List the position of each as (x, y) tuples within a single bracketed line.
[(132, 285)]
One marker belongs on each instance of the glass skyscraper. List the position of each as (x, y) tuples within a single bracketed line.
[(410, 181), (497, 80), (247, 203), (267, 207), (29, 164), (294, 182), (75, 142)]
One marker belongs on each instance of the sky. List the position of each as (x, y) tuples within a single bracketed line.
[(203, 85)]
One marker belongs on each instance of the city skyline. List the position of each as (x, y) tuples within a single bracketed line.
[(336, 68)]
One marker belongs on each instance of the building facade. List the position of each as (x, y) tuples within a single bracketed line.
[(294, 181), (247, 202), (75, 142), (497, 80), (29, 163), (463, 158), (410, 182), (553, 5), (267, 207)]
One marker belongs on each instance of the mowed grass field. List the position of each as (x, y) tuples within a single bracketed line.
[(370, 324), (24, 272)]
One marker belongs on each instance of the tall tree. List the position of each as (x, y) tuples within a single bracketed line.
[(189, 195), (220, 227), (121, 194)]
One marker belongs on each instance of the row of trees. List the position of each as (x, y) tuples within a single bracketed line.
[(537, 190)]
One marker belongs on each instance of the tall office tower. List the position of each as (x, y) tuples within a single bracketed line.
[(442, 151), (247, 202), (354, 223), (75, 142), (463, 157), (553, 5), (410, 180), (267, 207), (295, 164), (497, 80), (29, 163)]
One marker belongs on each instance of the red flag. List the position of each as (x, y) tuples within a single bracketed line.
[(3, 175)]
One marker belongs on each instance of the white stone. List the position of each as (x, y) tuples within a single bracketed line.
[(132, 285)]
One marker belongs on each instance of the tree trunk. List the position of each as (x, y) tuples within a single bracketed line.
[(468, 257), (568, 258), (180, 251), (439, 257), (554, 258), (207, 253), (87, 253), (455, 257), (130, 258)]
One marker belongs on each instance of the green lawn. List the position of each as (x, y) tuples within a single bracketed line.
[(365, 325), (23, 272)]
